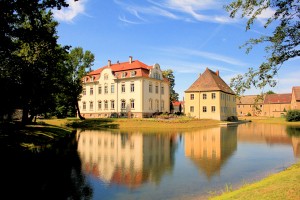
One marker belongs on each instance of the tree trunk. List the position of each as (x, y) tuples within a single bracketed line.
[(25, 114), (78, 111)]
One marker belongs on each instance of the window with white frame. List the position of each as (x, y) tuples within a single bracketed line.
[(105, 89), (91, 105), (156, 104), (204, 96), (100, 89), (150, 104), (213, 95), (150, 87), (123, 87), (131, 87), (156, 89), (123, 104), (213, 109), (84, 105), (84, 91), (192, 96), (99, 105), (204, 109), (105, 104), (191, 108), (132, 103), (112, 104), (162, 105), (105, 76), (91, 91), (112, 88), (162, 90), (132, 73)]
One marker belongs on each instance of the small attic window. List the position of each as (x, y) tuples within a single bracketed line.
[(124, 74), (105, 76), (132, 73), (86, 79)]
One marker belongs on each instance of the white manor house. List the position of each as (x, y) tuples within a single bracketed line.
[(127, 89)]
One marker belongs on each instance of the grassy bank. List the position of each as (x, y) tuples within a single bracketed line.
[(15, 137), (150, 123), (284, 185), (271, 120)]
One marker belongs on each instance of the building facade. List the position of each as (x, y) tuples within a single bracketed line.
[(250, 105), (295, 103), (209, 97), (269, 105), (276, 105), (127, 89)]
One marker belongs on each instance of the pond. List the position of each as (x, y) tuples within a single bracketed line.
[(138, 164), (183, 164)]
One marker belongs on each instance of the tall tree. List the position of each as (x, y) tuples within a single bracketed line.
[(281, 46), (79, 63), (28, 53), (173, 95)]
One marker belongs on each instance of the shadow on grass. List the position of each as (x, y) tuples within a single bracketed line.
[(92, 124), (15, 137)]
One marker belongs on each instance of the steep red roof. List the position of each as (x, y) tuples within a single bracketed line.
[(296, 92), (278, 98), (123, 70), (209, 81), (124, 66)]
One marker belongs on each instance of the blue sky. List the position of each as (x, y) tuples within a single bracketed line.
[(183, 35)]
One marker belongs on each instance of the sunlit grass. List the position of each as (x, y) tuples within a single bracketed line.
[(283, 185)]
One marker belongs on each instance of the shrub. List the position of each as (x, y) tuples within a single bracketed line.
[(293, 116), (249, 114)]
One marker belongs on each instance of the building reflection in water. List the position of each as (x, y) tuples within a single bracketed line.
[(128, 159), (210, 148), (270, 134)]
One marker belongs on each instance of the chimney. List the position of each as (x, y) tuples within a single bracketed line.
[(109, 63), (130, 59), (218, 73)]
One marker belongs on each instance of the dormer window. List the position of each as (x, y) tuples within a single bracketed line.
[(92, 78), (124, 74), (132, 73)]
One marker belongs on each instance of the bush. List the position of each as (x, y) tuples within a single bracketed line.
[(293, 116)]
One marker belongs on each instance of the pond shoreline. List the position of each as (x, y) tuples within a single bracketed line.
[(250, 189)]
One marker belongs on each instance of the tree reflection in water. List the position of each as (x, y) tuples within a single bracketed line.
[(52, 174)]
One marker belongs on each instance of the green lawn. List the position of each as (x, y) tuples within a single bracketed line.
[(284, 185)]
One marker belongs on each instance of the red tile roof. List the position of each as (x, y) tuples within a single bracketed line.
[(141, 70), (296, 92), (249, 100), (209, 81), (278, 98), (177, 103)]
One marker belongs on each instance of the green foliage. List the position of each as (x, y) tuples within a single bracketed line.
[(29, 55), (169, 75), (293, 116), (78, 63), (270, 92), (281, 46)]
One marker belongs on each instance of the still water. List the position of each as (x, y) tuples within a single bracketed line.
[(183, 164), (142, 165)]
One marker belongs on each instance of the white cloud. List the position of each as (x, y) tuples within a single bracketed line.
[(69, 13), (180, 10)]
